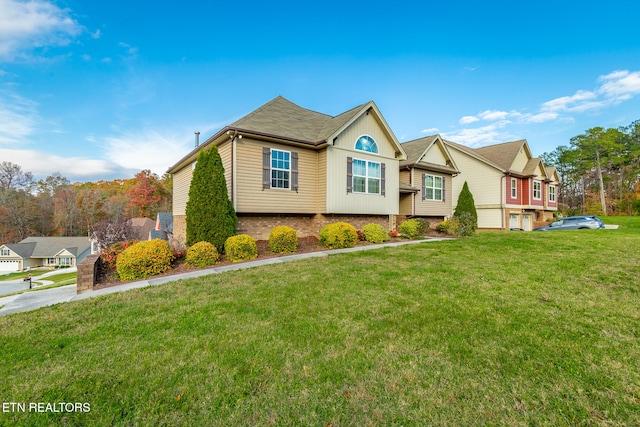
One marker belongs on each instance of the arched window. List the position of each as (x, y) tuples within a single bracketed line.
[(367, 144)]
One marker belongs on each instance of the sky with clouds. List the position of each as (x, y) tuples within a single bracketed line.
[(101, 90)]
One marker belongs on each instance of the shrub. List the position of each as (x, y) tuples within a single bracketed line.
[(338, 235), (110, 254), (375, 233), (466, 205), (449, 226), (202, 254), (241, 248), (361, 236), (283, 240), (424, 226), (467, 224), (410, 228), (144, 259)]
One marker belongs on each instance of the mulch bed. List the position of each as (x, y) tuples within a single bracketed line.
[(305, 245)]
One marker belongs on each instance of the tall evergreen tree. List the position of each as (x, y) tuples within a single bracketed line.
[(466, 208), (210, 214)]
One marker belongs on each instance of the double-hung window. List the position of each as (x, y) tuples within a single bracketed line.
[(552, 193), (366, 176), (537, 190), (433, 187), (5, 252), (514, 188), (280, 169)]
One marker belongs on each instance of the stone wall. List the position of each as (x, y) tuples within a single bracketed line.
[(88, 271)]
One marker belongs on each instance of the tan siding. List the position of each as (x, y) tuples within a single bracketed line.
[(433, 207), (251, 198), (406, 204), (366, 125), (435, 156), (225, 154), (520, 162), (322, 182), (405, 177), (181, 183), (485, 182)]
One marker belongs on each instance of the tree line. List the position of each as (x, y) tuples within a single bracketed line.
[(56, 207), (599, 171)]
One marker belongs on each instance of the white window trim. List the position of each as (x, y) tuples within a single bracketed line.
[(5, 252), (441, 188), (552, 193), (539, 190), (363, 151), (514, 188), (288, 187), (366, 177)]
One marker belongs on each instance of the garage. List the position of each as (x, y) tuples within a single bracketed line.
[(9, 265)]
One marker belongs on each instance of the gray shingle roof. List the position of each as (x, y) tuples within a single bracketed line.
[(416, 148), (502, 154), (47, 247)]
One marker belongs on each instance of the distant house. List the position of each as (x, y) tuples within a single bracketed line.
[(510, 187), (286, 165), (163, 228), (426, 178), (141, 227), (43, 252)]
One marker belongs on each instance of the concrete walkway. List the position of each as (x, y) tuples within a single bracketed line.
[(42, 298)]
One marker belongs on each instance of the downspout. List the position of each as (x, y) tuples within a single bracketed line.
[(503, 187)]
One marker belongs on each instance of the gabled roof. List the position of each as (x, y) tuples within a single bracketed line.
[(165, 221), (48, 247), (532, 165), (24, 250), (473, 153), (503, 154), (141, 227), (282, 120), (418, 148)]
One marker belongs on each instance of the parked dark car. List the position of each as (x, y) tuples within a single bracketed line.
[(573, 223)]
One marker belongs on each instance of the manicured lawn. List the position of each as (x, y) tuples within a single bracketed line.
[(21, 275), (505, 328)]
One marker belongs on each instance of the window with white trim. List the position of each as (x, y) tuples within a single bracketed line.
[(552, 193), (5, 252), (366, 177), (514, 188), (367, 144), (537, 190), (280, 169), (65, 261), (433, 186), (51, 261)]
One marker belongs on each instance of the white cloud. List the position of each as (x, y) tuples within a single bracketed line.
[(468, 119), (96, 34), (540, 117), (131, 51), (33, 24), (582, 100), (430, 131), (493, 115), (18, 118), (480, 136), (620, 85), (42, 164)]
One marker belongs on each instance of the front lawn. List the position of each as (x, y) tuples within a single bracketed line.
[(505, 328)]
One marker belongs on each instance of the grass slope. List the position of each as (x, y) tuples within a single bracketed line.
[(506, 328)]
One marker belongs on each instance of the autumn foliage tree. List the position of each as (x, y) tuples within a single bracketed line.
[(210, 214)]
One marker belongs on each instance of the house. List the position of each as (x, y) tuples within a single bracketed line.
[(510, 187), (163, 228), (287, 165), (426, 178), (141, 227), (43, 252)]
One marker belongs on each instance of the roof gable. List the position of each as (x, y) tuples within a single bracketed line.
[(504, 154), (420, 153)]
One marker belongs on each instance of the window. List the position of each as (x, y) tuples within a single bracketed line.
[(366, 177), (367, 144), (51, 261), (514, 188), (5, 252), (552, 193), (65, 261), (537, 190), (280, 169), (432, 187)]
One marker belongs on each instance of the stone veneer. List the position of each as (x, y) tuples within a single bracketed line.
[(259, 226), (88, 271)]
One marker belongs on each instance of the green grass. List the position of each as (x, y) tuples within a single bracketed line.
[(22, 275), (503, 328), (61, 279)]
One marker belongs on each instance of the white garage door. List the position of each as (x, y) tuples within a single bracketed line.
[(9, 265)]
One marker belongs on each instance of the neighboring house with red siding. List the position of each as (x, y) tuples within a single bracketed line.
[(511, 188)]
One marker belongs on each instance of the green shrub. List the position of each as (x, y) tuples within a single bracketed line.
[(241, 248), (425, 225), (410, 228), (144, 259), (467, 224), (202, 254), (109, 255), (466, 205), (338, 235), (283, 240), (375, 233), (449, 226)]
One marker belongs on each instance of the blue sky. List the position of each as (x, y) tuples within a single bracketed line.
[(101, 90)]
